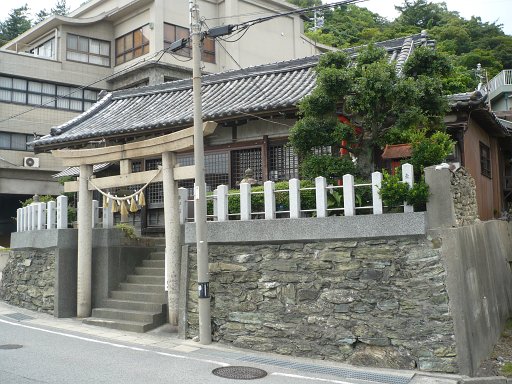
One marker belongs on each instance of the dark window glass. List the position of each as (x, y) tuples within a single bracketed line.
[(15, 141), (132, 45), (283, 163), (174, 32), (23, 91), (86, 50), (485, 160), (243, 159)]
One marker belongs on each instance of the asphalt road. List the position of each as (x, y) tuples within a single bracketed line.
[(54, 356)]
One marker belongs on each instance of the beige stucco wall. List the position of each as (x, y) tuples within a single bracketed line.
[(275, 40), (28, 66)]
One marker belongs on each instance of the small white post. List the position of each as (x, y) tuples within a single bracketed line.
[(28, 218), (294, 198), (408, 177), (321, 196), (222, 203), (62, 212), (245, 201), (183, 204), (25, 219), (349, 196), (41, 216), (376, 198), (95, 212), (51, 218), (108, 215), (269, 197), (19, 220), (215, 204), (34, 208)]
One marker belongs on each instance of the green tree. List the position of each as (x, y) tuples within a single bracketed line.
[(422, 13), (41, 15), (305, 3), (348, 25), (16, 23), (467, 42), (381, 105), (60, 8)]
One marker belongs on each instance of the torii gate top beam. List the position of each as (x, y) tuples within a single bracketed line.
[(172, 142)]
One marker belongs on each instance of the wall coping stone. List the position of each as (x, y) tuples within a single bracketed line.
[(310, 229)]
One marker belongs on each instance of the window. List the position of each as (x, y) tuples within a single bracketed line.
[(47, 49), (87, 50), (174, 32), (132, 45), (24, 91), (283, 163), (243, 159), (485, 160), (15, 141)]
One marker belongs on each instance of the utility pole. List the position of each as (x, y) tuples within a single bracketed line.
[(203, 278)]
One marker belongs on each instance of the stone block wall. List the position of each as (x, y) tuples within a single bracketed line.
[(380, 302), (464, 197), (29, 278)]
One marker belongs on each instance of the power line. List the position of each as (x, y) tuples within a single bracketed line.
[(39, 106), (227, 29), (240, 28), (257, 86)]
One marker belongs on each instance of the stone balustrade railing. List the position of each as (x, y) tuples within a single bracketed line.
[(54, 215), (348, 207), (39, 216)]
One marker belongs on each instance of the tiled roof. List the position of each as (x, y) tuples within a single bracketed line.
[(397, 151), (226, 96), (75, 171)]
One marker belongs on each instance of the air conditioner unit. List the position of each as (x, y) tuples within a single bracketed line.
[(31, 162)]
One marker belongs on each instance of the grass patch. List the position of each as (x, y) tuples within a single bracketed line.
[(506, 370)]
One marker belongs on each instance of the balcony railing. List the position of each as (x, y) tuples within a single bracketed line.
[(501, 79)]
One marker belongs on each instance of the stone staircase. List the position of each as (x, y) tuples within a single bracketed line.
[(140, 304)]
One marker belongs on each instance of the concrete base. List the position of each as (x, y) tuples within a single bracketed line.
[(114, 257)]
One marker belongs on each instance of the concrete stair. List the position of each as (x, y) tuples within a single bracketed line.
[(140, 303)]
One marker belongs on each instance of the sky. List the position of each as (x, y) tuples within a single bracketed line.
[(489, 10)]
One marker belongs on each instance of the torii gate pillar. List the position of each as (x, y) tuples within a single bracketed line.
[(84, 268), (172, 235)]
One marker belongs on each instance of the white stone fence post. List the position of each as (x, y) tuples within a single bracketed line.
[(322, 193), (39, 216)]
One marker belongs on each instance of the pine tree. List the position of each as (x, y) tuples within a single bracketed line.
[(16, 23)]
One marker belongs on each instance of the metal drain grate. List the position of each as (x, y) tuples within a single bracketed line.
[(239, 373), (345, 373), (19, 316), (340, 372), (11, 346)]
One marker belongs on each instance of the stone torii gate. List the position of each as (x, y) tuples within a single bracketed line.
[(166, 146)]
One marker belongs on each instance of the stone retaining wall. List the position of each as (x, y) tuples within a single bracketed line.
[(29, 278), (380, 302), (464, 197)]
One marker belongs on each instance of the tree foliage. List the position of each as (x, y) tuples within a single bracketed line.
[(383, 107), (17, 22), (466, 42)]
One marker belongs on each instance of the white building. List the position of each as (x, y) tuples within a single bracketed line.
[(111, 45)]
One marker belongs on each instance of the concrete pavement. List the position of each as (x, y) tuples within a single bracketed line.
[(166, 338)]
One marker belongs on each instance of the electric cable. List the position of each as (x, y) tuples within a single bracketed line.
[(242, 26), (79, 88), (257, 86)]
